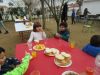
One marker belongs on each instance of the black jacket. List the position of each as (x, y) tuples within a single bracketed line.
[(1, 17)]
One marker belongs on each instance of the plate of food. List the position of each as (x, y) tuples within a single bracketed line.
[(63, 65), (63, 60), (70, 73), (39, 47), (51, 51)]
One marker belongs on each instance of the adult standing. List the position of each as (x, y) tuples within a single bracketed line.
[(78, 13), (64, 16), (73, 16), (2, 25), (86, 12)]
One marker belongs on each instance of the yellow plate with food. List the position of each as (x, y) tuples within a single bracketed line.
[(39, 47), (70, 73)]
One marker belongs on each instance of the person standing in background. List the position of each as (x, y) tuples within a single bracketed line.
[(78, 13), (86, 12), (73, 16), (2, 25), (64, 16)]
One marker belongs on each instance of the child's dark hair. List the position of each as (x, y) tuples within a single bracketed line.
[(64, 24), (2, 50), (36, 24), (95, 40)]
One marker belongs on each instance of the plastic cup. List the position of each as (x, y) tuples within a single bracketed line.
[(72, 44), (34, 54), (29, 45), (97, 65), (89, 71)]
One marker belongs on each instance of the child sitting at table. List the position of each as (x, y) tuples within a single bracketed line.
[(64, 32), (12, 66), (7, 64), (22, 68), (93, 48), (37, 33)]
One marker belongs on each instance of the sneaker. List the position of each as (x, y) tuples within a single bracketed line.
[(6, 32)]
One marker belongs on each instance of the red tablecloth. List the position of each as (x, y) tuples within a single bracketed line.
[(46, 64)]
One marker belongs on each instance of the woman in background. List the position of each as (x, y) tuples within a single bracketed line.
[(86, 12)]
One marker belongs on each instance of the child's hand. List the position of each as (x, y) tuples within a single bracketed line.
[(29, 54), (58, 35)]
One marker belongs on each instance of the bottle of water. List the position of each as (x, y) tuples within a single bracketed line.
[(97, 65)]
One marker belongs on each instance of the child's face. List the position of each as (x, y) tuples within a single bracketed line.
[(38, 29), (2, 58), (62, 28)]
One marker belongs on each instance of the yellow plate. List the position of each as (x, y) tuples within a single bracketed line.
[(39, 47)]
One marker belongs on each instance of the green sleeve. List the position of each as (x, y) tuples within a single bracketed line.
[(65, 36), (21, 69)]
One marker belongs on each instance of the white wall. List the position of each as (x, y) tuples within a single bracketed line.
[(93, 7)]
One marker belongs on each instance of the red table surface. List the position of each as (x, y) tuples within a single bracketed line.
[(46, 65)]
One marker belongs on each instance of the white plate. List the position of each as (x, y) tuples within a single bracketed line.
[(67, 65), (57, 52), (67, 72), (52, 54), (47, 54)]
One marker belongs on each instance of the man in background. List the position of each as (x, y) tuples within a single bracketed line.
[(2, 25), (64, 16)]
